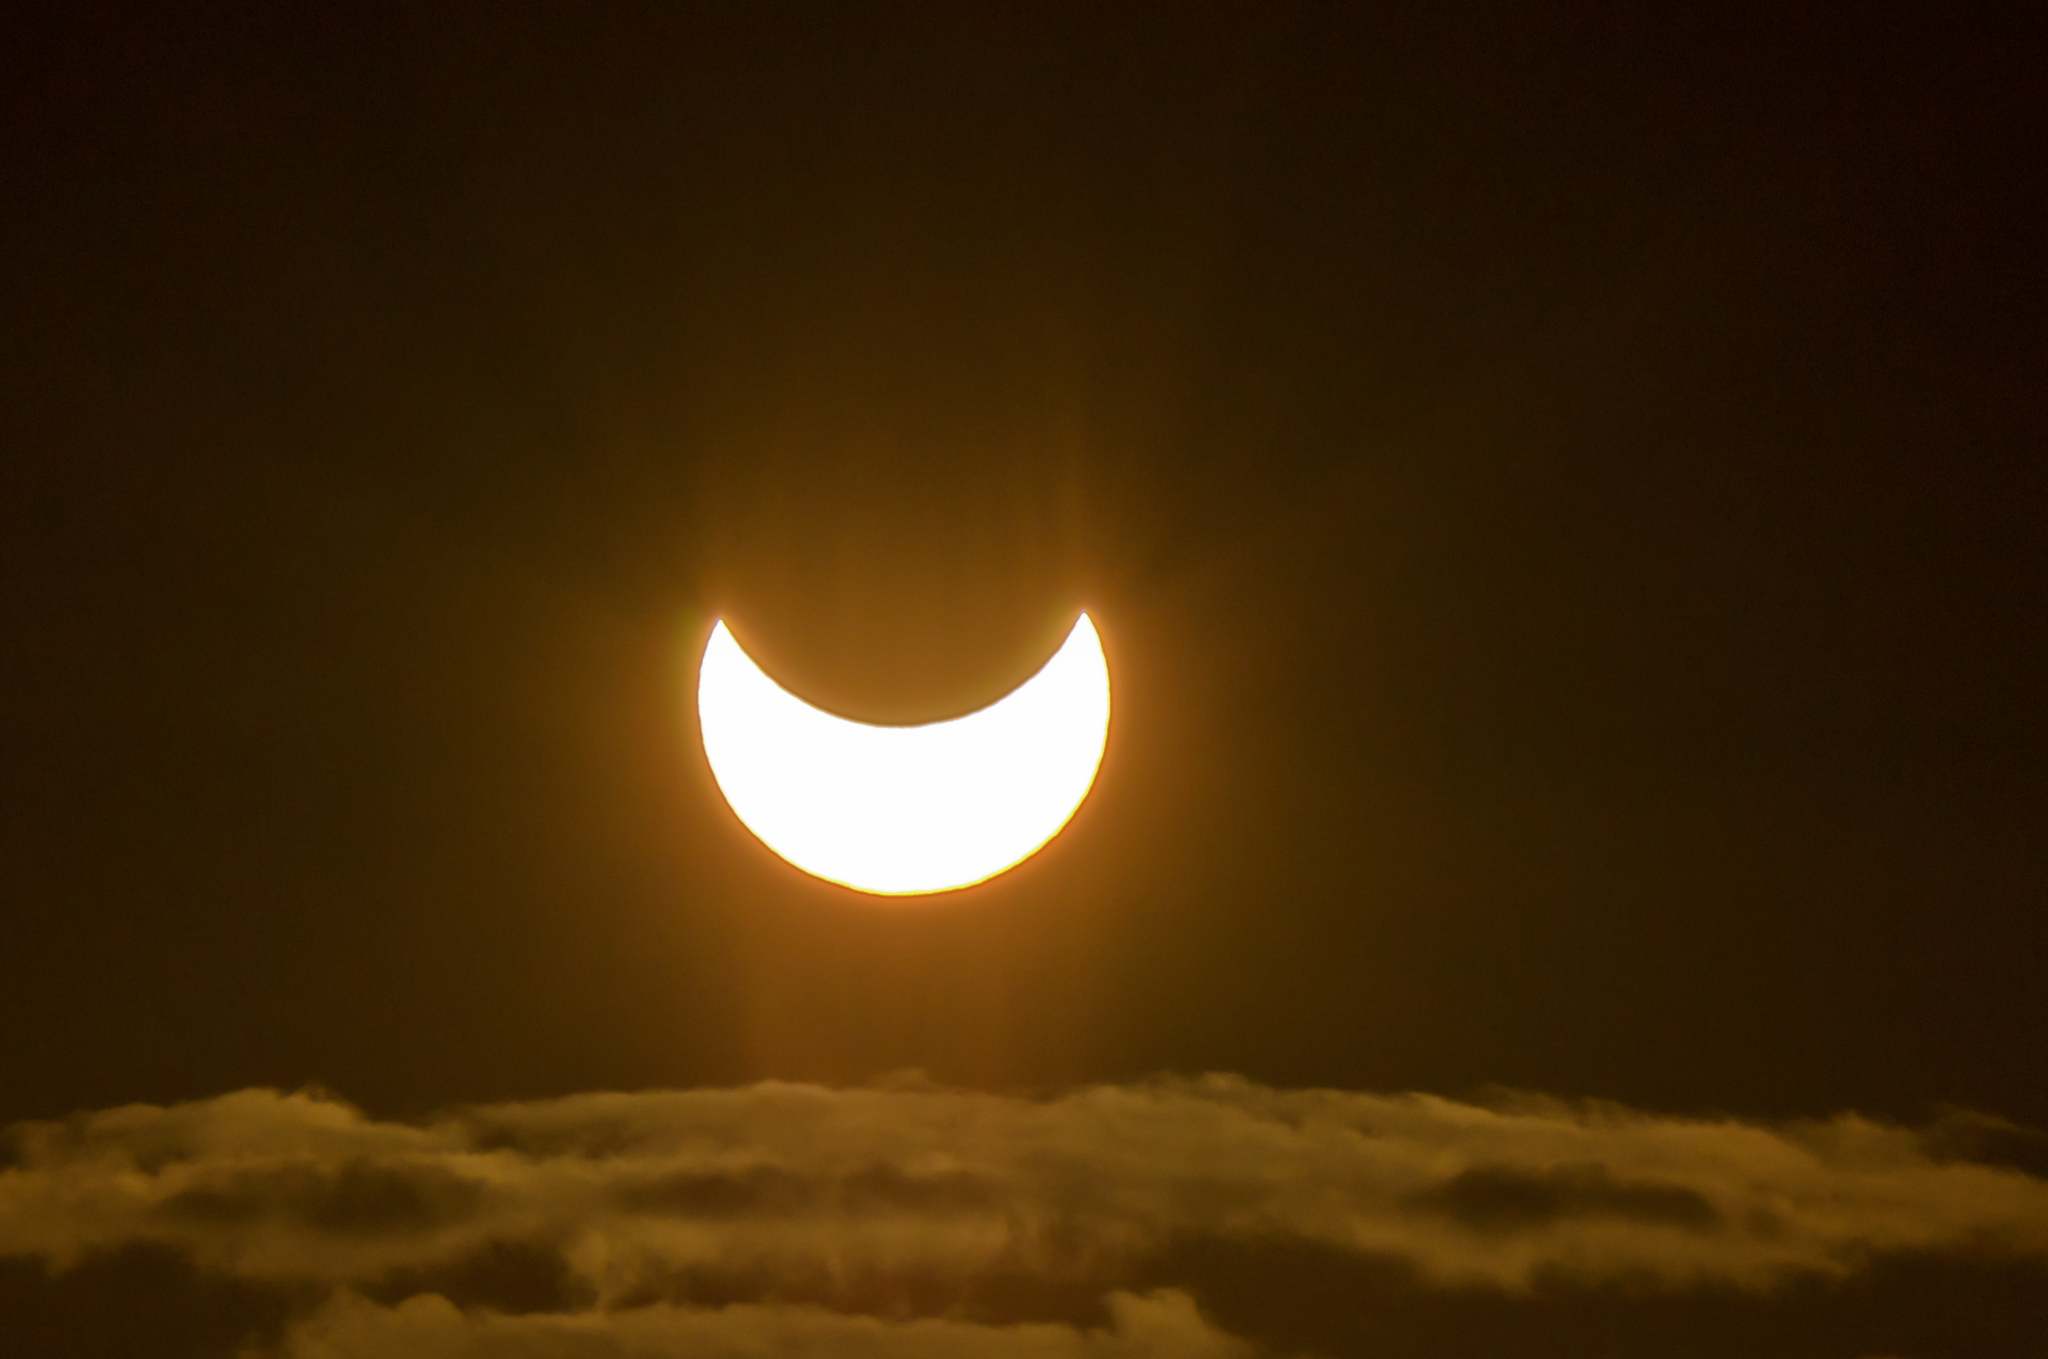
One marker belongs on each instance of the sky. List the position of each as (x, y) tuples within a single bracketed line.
[(1560, 495)]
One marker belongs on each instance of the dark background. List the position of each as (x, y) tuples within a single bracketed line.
[(1562, 496)]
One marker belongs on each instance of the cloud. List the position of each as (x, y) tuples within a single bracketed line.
[(1162, 1325), (1506, 1199), (858, 1220)]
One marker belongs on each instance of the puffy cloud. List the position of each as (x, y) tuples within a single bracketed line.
[(870, 1220)]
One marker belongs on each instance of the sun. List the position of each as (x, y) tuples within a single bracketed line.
[(906, 810)]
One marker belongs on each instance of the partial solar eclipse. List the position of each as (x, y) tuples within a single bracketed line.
[(900, 811)]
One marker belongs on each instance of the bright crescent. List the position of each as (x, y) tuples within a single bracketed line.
[(899, 811)]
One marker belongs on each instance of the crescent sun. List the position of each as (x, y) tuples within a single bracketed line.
[(906, 810)]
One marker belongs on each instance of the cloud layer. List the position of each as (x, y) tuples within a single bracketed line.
[(428, 1326), (909, 1220)]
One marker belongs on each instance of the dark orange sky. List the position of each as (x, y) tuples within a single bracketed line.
[(1560, 494)]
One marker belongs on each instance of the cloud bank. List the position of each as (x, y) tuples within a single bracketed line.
[(428, 1326), (914, 1221)]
